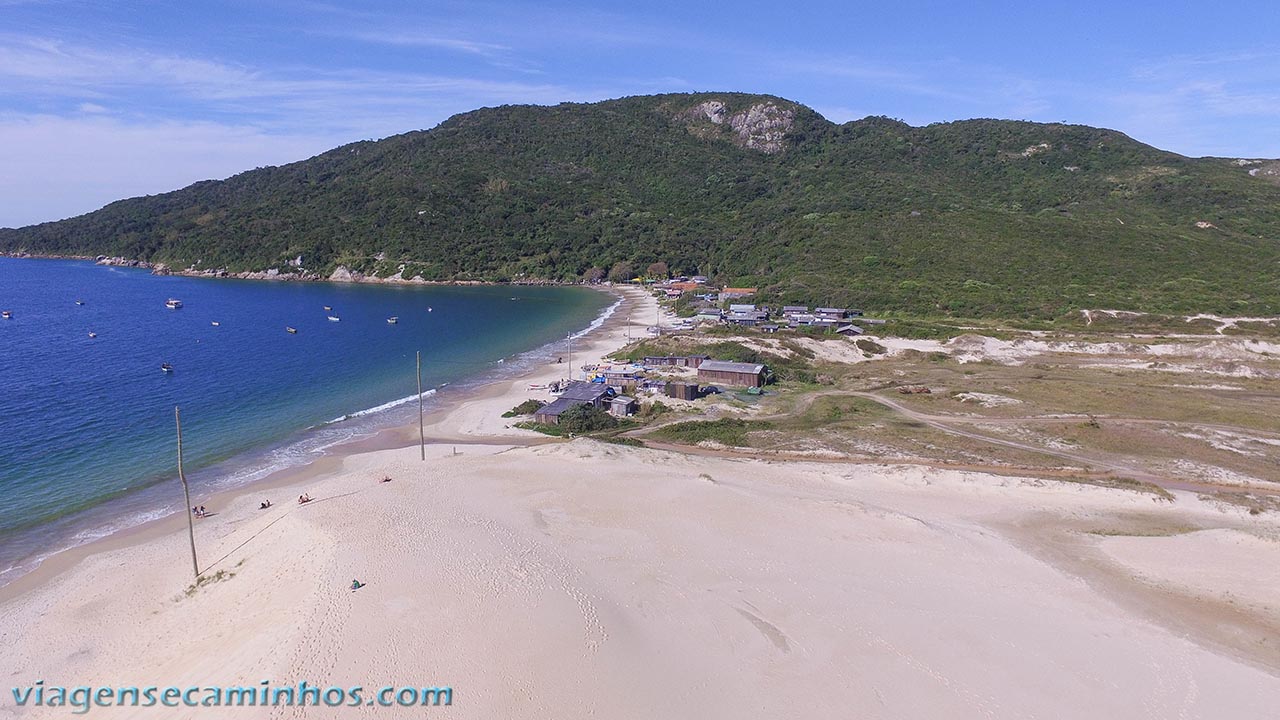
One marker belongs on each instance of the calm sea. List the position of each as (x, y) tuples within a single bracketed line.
[(86, 424)]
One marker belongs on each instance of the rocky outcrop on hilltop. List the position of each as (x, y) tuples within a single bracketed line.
[(762, 126)]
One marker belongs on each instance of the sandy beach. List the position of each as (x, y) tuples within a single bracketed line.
[(548, 579)]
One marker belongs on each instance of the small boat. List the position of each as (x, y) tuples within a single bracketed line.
[(334, 318), (93, 335), (6, 315), (291, 330), (327, 308), (79, 302), (393, 320), (173, 304), (166, 368), (215, 323), (428, 309)]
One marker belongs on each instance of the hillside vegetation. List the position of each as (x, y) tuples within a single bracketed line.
[(973, 218)]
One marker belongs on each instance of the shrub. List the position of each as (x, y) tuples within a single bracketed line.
[(528, 407), (586, 418)]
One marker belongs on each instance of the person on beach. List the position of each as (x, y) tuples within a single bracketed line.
[(356, 585), (264, 505), (304, 498)]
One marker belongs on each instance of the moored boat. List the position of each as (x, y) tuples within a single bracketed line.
[(166, 368), (215, 323), (93, 335), (393, 320), (328, 308), (173, 304), (6, 315), (79, 302), (291, 330), (334, 318)]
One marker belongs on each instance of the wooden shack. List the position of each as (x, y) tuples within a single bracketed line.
[(721, 372)]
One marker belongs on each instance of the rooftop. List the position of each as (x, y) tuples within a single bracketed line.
[(726, 366)]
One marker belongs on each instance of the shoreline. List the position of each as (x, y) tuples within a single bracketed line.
[(446, 401)]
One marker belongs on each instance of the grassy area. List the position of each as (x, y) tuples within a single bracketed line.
[(726, 431)]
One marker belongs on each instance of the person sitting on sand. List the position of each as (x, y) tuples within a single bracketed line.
[(304, 498), (264, 505), (385, 478), (356, 585)]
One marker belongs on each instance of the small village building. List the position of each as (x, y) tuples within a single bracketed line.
[(747, 319), (681, 391), (692, 361), (734, 293), (722, 372), (850, 330), (711, 314), (699, 279), (742, 308), (577, 393), (789, 310), (622, 406)]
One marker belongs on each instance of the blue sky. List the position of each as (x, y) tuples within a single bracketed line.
[(103, 100)]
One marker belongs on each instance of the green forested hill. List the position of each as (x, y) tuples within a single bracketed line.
[(972, 218)]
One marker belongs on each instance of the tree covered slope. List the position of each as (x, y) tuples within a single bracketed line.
[(971, 218)]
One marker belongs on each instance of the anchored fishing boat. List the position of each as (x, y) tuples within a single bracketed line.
[(173, 304), (393, 320), (291, 330), (334, 318), (166, 368)]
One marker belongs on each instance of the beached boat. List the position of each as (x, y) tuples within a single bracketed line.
[(173, 304), (291, 330), (334, 318), (393, 320), (166, 368)]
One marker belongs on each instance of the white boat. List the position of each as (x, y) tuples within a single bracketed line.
[(93, 335), (334, 318), (327, 308), (215, 323), (79, 302), (428, 309), (6, 315), (173, 304), (393, 320), (291, 330), (166, 368)]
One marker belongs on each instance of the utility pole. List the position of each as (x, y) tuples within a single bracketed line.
[(569, 337), (186, 493), (422, 431)]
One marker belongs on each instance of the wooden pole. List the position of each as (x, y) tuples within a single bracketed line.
[(186, 493), (422, 431), (569, 337)]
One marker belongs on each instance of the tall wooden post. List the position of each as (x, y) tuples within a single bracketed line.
[(569, 337), (186, 493), (422, 430)]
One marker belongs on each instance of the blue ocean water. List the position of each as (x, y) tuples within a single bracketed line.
[(86, 424)]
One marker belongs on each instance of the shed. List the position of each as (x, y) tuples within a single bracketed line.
[(731, 373), (682, 391), (622, 406)]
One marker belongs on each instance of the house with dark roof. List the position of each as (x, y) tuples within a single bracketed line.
[(578, 393)]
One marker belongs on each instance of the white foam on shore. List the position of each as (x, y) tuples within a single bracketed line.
[(381, 408)]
